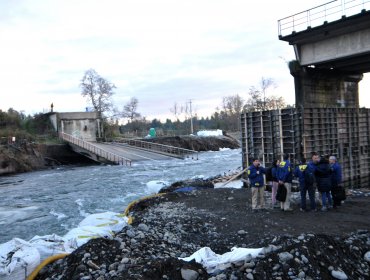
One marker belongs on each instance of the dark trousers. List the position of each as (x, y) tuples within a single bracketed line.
[(337, 192), (311, 195)]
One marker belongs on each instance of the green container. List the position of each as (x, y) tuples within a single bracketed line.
[(152, 132)]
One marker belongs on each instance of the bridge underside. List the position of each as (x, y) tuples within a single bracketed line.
[(343, 44), (331, 60), (351, 64)]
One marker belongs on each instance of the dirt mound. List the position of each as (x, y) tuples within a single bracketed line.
[(195, 184), (196, 143)]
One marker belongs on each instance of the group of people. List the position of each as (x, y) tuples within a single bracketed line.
[(323, 173)]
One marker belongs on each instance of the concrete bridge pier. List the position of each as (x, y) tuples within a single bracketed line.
[(324, 88)]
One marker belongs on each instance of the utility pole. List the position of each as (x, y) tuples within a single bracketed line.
[(191, 118)]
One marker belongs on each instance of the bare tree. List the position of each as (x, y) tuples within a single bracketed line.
[(177, 110), (98, 91), (265, 84), (258, 99), (232, 104), (130, 110)]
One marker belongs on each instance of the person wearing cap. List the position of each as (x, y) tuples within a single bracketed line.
[(336, 179), (257, 183)]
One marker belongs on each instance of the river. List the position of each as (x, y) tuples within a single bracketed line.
[(55, 201)]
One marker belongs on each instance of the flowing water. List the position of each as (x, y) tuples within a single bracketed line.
[(55, 201)]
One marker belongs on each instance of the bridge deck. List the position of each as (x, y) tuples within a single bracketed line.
[(131, 153), (125, 153)]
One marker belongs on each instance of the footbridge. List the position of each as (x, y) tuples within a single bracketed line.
[(332, 48), (126, 151)]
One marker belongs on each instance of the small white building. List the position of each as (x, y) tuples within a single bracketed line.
[(82, 125)]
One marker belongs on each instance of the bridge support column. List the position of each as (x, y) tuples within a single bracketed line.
[(323, 88)]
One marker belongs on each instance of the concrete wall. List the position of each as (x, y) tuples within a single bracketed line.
[(339, 47), (54, 121), (85, 129), (323, 88), (78, 115), (83, 125)]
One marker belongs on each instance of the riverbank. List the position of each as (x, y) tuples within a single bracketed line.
[(198, 143), (296, 245), (28, 157)]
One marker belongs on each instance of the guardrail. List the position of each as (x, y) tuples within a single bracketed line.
[(328, 12), (165, 149), (114, 158)]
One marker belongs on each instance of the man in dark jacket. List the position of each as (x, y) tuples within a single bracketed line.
[(337, 190), (257, 183), (323, 180), (285, 176), (302, 172)]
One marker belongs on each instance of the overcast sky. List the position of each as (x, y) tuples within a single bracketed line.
[(159, 51)]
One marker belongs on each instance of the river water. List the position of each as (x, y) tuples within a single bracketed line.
[(55, 201)]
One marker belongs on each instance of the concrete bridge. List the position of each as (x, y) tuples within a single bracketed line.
[(80, 130), (125, 152), (332, 48)]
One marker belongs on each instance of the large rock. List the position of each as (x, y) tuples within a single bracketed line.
[(189, 274)]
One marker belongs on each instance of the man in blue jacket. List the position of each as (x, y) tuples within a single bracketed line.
[(257, 183), (285, 176), (312, 164), (306, 180)]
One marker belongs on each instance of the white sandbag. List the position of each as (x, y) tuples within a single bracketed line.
[(18, 258), (211, 261), (79, 236), (48, 245), (155, 186), (110, 220), (205, 133)]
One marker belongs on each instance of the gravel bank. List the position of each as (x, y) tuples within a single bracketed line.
[(330, 245)]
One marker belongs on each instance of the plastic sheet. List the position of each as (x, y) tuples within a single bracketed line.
[(212, 261), (18, 258), (109, 220), (48, 245)]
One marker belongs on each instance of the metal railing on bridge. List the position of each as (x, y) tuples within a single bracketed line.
[(160, 148), (88, 146), (328, 12)]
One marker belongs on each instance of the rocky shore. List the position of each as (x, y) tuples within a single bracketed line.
[(296, 245)]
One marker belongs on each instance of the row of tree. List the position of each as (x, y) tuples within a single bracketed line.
[(99, 92), (31, 128)]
